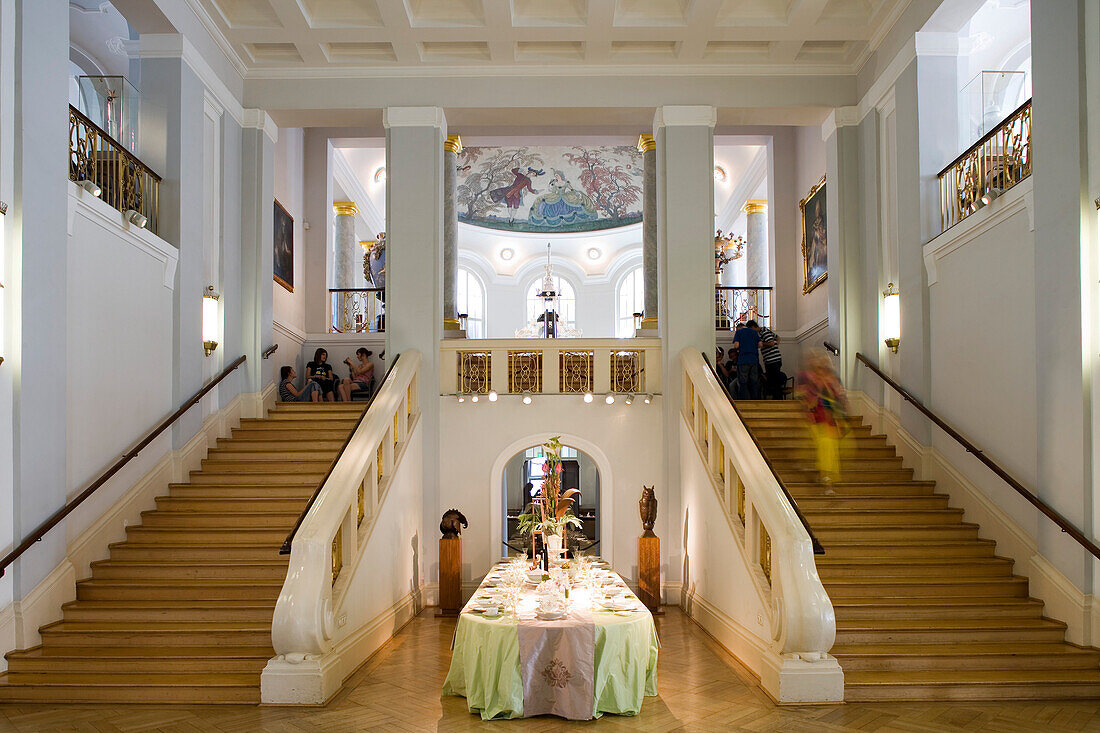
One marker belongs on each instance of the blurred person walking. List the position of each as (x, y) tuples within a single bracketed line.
[(820, 390)]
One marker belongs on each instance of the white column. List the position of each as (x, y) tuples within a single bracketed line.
[(257, 234), (414, 287), (452, 146), (348, 253), (317, 220), (648, 147), (685, 274), (756, 244)]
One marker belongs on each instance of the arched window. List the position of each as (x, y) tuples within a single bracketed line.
[(470, 299), (630, 300), (567, 302)]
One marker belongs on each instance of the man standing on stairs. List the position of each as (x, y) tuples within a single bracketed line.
[(773, 363), (747, 343)]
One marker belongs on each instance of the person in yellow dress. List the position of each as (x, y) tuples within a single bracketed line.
[(820, 390)]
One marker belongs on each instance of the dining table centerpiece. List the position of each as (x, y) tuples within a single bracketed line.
[(552, 510)]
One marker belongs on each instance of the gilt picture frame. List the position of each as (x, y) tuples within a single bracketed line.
[(814, 215), (283, 260)]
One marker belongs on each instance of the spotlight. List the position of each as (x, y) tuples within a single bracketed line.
[(526, 397), (647, 399), (136, 218), (461, 398), (593, 253), (474, 397), (91, 187), (610, 399), (492, 395), (629, 399), (507, 253), (587, 396), (991, 194)]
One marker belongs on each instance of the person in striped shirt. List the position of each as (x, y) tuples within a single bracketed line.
[(773, 363)]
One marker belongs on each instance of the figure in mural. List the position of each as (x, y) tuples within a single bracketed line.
[(561, 204), (512, 195)]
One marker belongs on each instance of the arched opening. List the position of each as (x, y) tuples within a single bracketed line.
[(522, 479)]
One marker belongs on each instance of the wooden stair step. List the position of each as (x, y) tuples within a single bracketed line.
[(126, 692), (800, 431), (179, 590), (211, 520), (965, 655), (823, 517), (288, 452), (851, 631), (284, 466), (208, 535), (277, 504), (862, 488), (881, 501), (986, 685), (810, 475), (208, 478), (897, 532), (155, 633), (283, 434), (917, 587), (936, 608), (243, 491), (939, 549), (228, 569), (263, 442), (165, 610), (200, 552), (159, 679), (850, 567)]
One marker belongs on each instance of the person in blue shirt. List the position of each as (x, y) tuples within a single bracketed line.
[(747, 343)]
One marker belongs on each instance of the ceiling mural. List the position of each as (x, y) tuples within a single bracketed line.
[(550, 189)]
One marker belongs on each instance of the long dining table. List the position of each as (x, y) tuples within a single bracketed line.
[(512, 658)]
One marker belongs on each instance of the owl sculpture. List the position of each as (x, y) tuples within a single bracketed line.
[(647, 507)]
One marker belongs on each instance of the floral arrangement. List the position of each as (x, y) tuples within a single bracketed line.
[(552, 512)]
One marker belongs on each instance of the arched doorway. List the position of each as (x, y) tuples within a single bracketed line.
[(522, 478)]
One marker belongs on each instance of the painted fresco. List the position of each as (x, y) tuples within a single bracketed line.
[(550, 189)]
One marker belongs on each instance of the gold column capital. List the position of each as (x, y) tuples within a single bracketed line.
[(453, 144), (755, 206), (646, 143), (345, 207)]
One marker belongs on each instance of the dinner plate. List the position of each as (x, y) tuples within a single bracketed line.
[(549, 615)]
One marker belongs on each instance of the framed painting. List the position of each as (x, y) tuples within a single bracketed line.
[(814, 237), (283, 262)]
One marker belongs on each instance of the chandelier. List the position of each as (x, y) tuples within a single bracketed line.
[(726, 249)]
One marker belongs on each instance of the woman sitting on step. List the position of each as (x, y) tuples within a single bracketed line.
[(320, 372), (289, 393)]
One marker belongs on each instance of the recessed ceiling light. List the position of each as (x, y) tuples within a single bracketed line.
[(507, 253), (719, 173), (380, 175), (593, 253)]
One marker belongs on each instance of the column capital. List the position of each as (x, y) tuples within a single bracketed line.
[(414, 117), (646, 143), (453, 144), (684, 115), (345, 207), (755, 206)]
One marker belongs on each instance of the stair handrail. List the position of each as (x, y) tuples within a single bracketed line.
[(992, 465), (54, 519), (802, 617), (341, 516)]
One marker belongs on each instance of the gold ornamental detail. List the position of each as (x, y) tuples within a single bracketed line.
[(646, 144), (345, 207), (755, 206), (453, 144)]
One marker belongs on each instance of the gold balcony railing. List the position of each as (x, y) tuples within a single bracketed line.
[(736, 306), (124, 182), (994, 164), (357, 310)]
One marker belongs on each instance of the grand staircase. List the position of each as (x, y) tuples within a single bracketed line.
[(181, 612), (925, 610)]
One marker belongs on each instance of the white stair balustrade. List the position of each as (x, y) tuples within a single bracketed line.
[(354, 577), (755, 588)]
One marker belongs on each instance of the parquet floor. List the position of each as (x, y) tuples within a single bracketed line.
[(701, 689)]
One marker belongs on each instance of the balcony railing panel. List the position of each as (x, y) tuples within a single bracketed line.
[(736, 306), (997, 162), (550, 366), (357, 310), (125, 182)]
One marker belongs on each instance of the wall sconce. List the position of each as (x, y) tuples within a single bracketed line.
[(209, 320), (91, 187), (136, 218), (891, 317)]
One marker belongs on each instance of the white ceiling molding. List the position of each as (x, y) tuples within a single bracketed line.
[(754, 175), (353, 188), (685, 115), (840, 117), (215, 33), (525, 70), (257, 119), (414, 117)]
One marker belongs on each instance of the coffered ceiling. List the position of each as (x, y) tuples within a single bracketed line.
[(341, 37)]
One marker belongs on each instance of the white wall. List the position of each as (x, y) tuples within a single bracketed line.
[(290, 308), (809, 167), (625, 441)]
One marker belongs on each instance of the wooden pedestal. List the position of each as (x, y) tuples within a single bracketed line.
[(450, 576), (649, 572)]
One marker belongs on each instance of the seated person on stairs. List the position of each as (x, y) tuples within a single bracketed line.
[(320, 372), (362, 374), (289, 393)]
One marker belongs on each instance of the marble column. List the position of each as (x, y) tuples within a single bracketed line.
[(648, 148), (452, 146), (347, 249), (756, 244)]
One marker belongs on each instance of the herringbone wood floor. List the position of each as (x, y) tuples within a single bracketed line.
[(701, 689)]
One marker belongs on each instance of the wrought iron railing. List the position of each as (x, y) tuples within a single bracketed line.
[(997, 162), (357, 310), (736, 306), (123, 181)]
